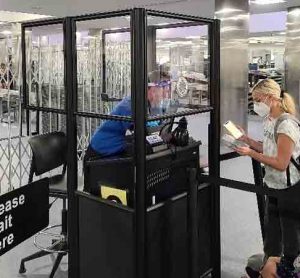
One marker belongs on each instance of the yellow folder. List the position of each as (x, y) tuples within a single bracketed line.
[(114, 194)]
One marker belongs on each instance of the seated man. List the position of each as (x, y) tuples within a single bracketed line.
[(109, 139)]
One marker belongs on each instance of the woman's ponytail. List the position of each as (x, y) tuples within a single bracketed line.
[(288, 103)]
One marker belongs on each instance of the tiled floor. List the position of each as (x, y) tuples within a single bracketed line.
[(39, 268), (240, 224)]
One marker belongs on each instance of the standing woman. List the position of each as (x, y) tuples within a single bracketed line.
[(282, 232)]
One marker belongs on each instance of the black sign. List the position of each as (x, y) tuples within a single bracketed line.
[(23, 213)]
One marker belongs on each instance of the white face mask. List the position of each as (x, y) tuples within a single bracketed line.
[(262, 109)]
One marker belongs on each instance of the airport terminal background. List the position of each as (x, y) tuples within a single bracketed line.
[(241, 235), (267, 47)]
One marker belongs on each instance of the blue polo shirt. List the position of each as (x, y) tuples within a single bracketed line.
[(109, 138)]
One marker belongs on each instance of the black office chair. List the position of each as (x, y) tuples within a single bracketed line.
[(49, 153)]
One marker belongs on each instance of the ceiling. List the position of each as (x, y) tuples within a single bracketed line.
[(77, 7), (58, 8), (7, 16), (258, 9)]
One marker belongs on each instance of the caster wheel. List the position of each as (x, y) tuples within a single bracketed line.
[(22, 269)]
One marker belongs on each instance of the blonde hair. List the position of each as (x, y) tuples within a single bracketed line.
[(288, 104), (270, 87)]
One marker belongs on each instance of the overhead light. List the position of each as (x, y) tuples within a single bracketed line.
[(295, 12), (236, 18), (295, 38), (6, 32), (267, 2), (88, 37), (193, 37), (186, 42), (227, 11), (229, 29), (116, 28), (161, 24), (294, 31), (282, 33)]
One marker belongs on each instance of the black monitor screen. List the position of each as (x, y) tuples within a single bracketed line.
[(253, 66)]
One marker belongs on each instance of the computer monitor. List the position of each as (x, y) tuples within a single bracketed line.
[(253, 66)]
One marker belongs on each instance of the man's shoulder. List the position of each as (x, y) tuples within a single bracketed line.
[(123, 108)]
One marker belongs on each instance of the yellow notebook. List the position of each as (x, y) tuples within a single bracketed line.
[(114, 194)]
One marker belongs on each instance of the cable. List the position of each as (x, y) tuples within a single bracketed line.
[(50, 205)]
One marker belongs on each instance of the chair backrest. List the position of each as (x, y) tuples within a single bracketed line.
[(104, 97), (49, 151)]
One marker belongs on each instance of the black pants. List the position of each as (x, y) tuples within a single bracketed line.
[(90, 154), (282, 228)]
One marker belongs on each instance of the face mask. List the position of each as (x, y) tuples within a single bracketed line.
[(262, 109)]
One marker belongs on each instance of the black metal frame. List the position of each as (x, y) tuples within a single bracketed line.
[(72, 167), (205, 108), (139, 84), (104, 33), (33, 24), (195, 21), (214, 133), (180, 16), (25, 104), (99, 16)]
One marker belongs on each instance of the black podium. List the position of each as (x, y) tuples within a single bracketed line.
[(106, 229)]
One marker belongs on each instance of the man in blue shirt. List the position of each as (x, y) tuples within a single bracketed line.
[(109, 139)]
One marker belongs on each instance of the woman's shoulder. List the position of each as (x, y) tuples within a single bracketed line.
[(289, 127), (288, 121)]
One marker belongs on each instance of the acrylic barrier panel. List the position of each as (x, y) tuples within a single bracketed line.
[(45, 66), (10, 64), (178, 65), (86, 128), (104, 65), (10, 46)]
